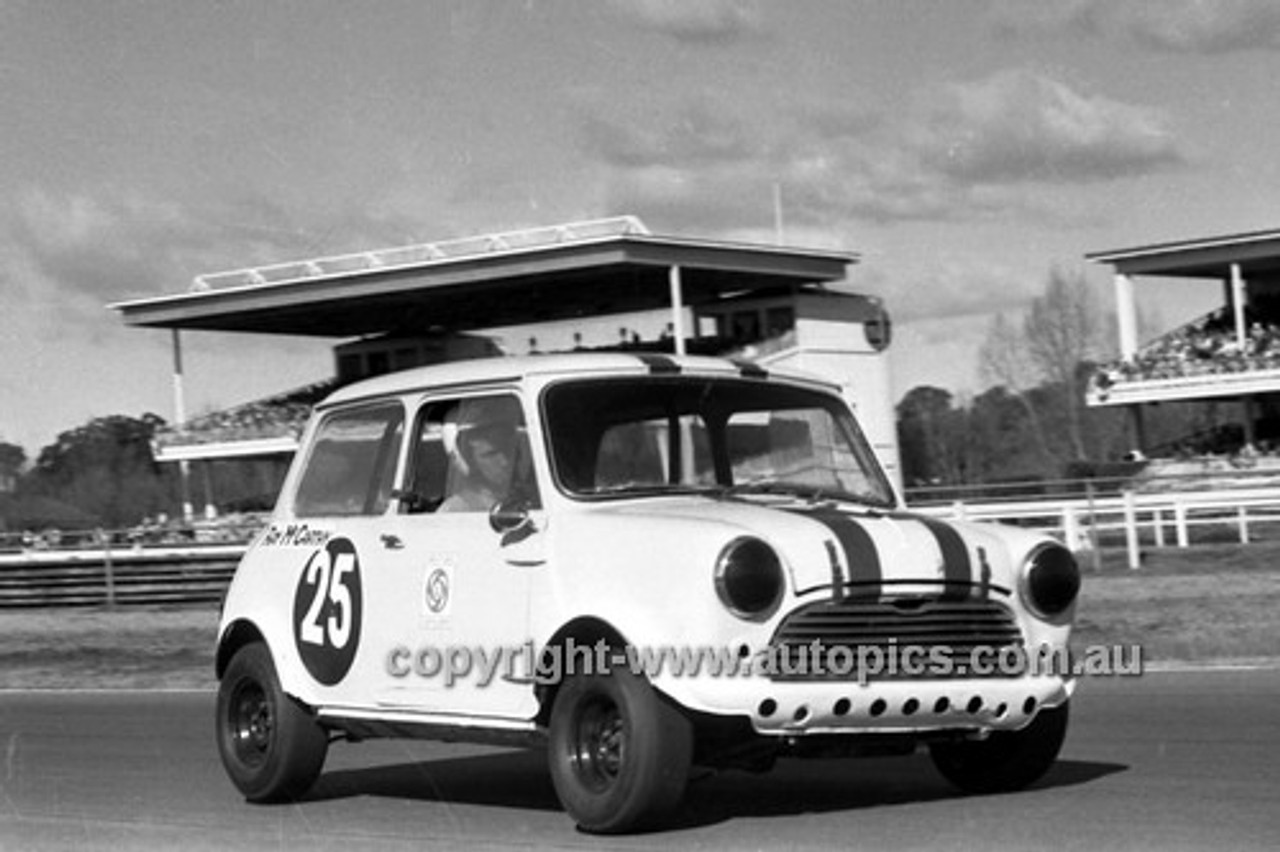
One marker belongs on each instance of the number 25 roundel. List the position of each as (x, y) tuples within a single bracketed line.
[(326, 611)]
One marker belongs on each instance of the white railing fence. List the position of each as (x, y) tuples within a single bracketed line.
[(1137, 519)]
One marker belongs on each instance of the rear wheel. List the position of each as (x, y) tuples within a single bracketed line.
[(1007, 760), (619, 753), (272, 748)]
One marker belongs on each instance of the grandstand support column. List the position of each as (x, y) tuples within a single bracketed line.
[(180, 419), (1138, 424), (677, 309), (1249, 413), (1127, 314), (1238, 298), (206, 477)]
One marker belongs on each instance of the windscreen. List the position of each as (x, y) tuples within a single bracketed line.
[(641, 435)]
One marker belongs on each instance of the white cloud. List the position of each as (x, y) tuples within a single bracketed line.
[(700, 132), (701, 21), (982, 150), (80, 250), (1176, 26), (65, 255), (1016, 126), (80, 244)]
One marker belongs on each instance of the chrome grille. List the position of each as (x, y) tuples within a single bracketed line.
[(939, 629)]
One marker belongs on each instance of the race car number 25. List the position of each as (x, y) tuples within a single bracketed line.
[(326, 611)]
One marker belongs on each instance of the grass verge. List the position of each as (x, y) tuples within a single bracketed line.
[(152, 647), (1206, 603)]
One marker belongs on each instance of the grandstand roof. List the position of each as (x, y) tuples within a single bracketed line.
[(537, 275), (1256, 252)]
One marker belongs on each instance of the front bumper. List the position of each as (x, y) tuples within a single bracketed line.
[(798, 708)]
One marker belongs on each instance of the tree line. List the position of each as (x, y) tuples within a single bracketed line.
[(1032, 423), (103, 475)]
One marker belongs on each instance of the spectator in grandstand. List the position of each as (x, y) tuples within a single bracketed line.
[(1206, 347)]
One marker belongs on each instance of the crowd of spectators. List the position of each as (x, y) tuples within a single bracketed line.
[(1207, 346), (284, 415), (158, 531)]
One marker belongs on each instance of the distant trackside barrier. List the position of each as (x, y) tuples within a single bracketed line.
[(77, 573), (103, 577)]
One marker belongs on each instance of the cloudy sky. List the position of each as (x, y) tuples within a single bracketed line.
[(963, 148)]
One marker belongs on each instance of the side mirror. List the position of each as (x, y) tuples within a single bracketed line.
[(510, 517), (410, 501)]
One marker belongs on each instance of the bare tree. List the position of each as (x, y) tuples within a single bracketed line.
[(1003, 361), (1063, 329)]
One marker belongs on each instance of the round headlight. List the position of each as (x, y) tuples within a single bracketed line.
[(749, 579), (1050, 580)]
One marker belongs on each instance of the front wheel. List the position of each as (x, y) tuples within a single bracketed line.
[(1007, 760), (619, 753), (272, 748)]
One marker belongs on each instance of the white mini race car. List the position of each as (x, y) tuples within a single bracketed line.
[(643, 562)]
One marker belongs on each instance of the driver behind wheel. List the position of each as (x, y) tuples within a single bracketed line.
[(488, 454)]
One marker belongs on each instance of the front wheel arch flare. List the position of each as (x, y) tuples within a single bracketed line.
[(586, 630), (240, 633)]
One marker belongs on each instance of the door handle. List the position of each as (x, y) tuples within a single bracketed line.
[(392, 542)]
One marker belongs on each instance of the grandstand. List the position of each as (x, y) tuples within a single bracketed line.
[(1231, 353), (260, 427), (407, 306)]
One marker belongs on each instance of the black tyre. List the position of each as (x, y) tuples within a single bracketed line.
[(1007, 760), (271, 746), (619, 753)]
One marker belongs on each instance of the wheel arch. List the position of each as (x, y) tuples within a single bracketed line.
[(237, 634), (583, 630)]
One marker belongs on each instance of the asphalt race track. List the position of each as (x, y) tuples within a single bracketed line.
[(1170, 760)]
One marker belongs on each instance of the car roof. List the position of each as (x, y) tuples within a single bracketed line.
[(510, 369)]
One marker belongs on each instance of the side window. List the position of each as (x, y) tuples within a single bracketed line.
[(469, 454), (352, 464), (429, 462)]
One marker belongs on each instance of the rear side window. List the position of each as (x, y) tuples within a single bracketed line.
[(352, 464)]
